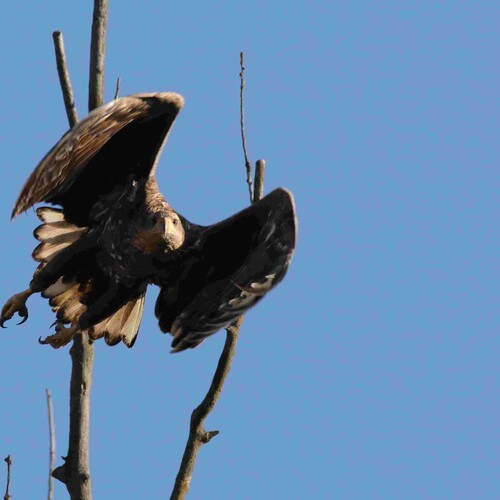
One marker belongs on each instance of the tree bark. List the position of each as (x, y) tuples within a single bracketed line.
[(75, 472)]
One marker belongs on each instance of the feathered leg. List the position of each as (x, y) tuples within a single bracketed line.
[(17, 303)]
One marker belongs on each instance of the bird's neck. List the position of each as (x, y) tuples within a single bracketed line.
[(155, 202)]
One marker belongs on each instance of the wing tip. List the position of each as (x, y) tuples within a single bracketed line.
[(167, 99), (287, 197), (183, 345), (17, 210), (172, 98), (22, 204)]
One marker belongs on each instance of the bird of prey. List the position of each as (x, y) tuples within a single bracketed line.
[(114, 234)]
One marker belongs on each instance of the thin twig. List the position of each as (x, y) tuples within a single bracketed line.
[(8, 460), (64, 80), (248, 167), (97, 54), (117, 90), (52, 445)]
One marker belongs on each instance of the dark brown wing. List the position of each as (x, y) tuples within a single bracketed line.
[(227, 269), (115, 143)]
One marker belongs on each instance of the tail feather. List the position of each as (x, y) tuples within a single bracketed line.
[(131, 326), (60, 286), (122, 325)]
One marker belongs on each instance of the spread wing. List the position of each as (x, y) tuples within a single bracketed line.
[(227, 269), (115, 144)]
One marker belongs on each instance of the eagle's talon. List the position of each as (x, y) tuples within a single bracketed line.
[(17, 303), (62, 337), (23, 313)]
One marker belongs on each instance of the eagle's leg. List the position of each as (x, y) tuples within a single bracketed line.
[(17, 303), (63, 335)]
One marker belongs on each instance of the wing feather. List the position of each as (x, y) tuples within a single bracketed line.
[(63, 165), (235, 264)]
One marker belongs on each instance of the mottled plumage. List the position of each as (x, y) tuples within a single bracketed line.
[(115, 234)]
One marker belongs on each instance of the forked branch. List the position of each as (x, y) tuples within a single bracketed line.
[(75, 472), (198, 436)]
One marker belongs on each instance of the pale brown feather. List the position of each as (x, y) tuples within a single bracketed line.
[(122, 325), (55, 230), (48, 214), (83, 141), (67, 303), (57, 288), (55, 234)]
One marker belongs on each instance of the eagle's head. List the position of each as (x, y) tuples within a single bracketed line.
[(163, 232), (173, 232)]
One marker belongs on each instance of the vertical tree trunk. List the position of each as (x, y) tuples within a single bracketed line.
[(75, 472)]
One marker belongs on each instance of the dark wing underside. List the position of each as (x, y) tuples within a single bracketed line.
[(114, 145), (228, 270)]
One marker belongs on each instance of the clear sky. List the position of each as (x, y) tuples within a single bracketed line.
[(372, 370)]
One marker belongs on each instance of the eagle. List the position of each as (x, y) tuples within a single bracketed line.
[(110, 233)]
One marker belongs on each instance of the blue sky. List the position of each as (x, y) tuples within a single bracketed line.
[(372, 370)]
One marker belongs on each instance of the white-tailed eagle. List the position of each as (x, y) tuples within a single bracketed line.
[(115, 234)]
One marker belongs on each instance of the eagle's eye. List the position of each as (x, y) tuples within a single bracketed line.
[(175, 222)]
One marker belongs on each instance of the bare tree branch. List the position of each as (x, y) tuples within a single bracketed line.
[(117, 90), (258, 193), (98, 54), (8, 460), (75, 472), (198, 436), (52, 445), (248, 166), (64, 80)]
